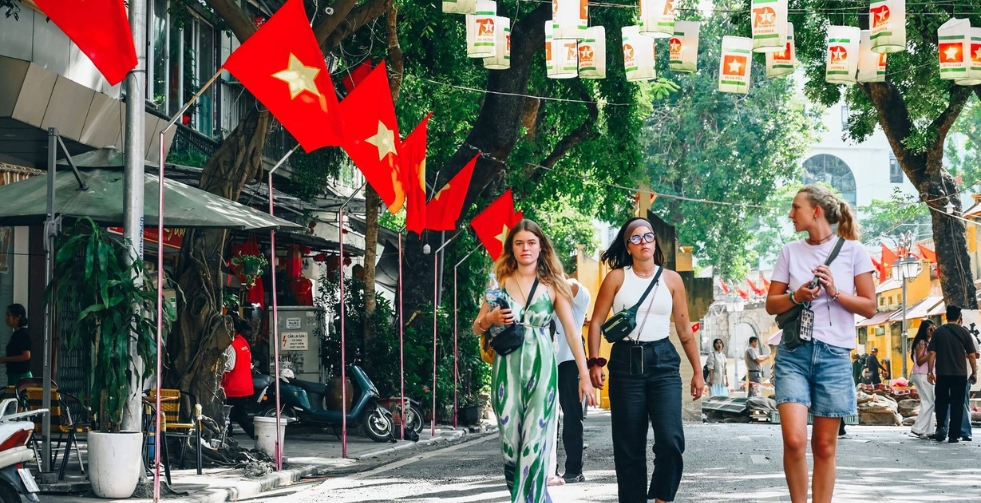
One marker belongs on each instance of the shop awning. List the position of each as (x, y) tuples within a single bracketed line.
[(24, 203), (919, 310), (879, 318)]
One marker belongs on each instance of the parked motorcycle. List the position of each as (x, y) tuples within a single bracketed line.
[(305, 402), (413, 413), (15, 432)]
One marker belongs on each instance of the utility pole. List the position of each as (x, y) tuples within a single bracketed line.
[(133, 218)]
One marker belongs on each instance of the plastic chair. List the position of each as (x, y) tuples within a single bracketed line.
[(172, 425)]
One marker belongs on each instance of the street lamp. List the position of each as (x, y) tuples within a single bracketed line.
[(906, 270), (735, 304)]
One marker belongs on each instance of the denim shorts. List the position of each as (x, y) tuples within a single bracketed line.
[(817, 375)]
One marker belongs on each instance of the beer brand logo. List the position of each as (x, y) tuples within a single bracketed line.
[(882, 61), (764, 17), (485, 27), (585, 55), (976, 52), (880, 16), (628, 55), (734, 65), (785, 54), (951, 52), (675, 45), (838, 54), (669, 8)]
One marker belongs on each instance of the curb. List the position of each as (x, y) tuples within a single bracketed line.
[(445, 436), (251, 488)]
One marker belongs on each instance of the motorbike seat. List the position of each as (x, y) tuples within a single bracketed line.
[(310, 387)]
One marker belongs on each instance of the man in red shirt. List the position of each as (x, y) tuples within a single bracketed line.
[(237, 380)]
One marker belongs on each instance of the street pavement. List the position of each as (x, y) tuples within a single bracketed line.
[(724, 463)]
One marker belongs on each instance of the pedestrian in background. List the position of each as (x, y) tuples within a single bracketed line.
[(857, 368), (754, 367), (237, 380), (874, 367), (524, 383), (816, 375), (645, 368), (569, 398), (718, 378), (18, 351), (923, 427), (951, 350)]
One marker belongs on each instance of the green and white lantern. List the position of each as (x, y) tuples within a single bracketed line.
[(638, 54), (561, 55), (842, 60), (769, 25), (954, 45), (482, 30), (657, 18), (871, 65), (734, 65), (592, 54), (683, 47), (887, 23), (501, 60), (783, 62), (459, 6)]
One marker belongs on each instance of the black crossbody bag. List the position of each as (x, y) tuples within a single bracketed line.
[(624, 322), (511, 337), (797, 323)]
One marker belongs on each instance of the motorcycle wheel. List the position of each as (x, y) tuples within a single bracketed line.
[(376, 425), (413, 419), (8, 493), (270, 411)]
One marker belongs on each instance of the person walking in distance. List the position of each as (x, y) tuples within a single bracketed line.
[(718, 378), (754, 367), (874, 367), (645, 368), (920, 355), (950, 351), (569, 400), (832, 279), (18, 352)]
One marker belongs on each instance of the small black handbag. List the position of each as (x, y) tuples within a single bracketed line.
[(797, 322), (624, 322), (511, 337)]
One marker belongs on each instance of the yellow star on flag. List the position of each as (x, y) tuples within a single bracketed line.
[(503, 236), (440, 193), (384, 140), (951, 53), (734, 66), (299, 77)]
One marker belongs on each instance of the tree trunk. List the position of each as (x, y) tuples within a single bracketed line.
[(372, 203), (201, 333)]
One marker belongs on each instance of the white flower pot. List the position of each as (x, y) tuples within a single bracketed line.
[(114, 463)]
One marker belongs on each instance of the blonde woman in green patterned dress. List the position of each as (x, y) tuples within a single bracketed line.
[(524, 385)]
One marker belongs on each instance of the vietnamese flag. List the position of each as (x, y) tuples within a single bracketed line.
[(412, 168), (101, 31), (444, 209), (888, 257), (282, 65), (766, 282), (725, 287), (371, 136), (493, 224), (357, 75), (742, 293), (881, 270), (757, 290), (927, 253)]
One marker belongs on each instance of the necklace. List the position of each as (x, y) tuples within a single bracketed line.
[(644, 275), (819, 241)]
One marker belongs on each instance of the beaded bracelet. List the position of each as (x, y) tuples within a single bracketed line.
[(590, 363), (790, 295)]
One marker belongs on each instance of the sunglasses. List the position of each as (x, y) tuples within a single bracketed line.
[(645, 238)]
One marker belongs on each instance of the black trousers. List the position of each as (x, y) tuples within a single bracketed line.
[(950, 394), (571, 417), (636, 401), (240, 414)]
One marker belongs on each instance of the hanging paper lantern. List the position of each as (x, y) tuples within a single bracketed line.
[(501, 60), (871, 65), (973, 59), (769, 25), (888, 30), (785, 61), (592, 54), (481, 30), (459, 6), (571, 18), (561, 55), (657, 18), (683, 47), (734, 65), (638, 54), (842, 61), (954, 38)]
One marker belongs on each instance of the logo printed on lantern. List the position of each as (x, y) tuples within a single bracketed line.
[(585, 55), (570, 53), (838, 53), (951, 52), (628, 55), (975, 52), (486, 27), (583, 9), (880, 16), (675, 45), (882, 61), (783, 55), (735, 65), (764, 17)]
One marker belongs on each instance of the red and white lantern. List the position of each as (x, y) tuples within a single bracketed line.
[(683, 47), (842, 60), (592, 54), (973, 56), (482, 30), (501, 60), (871, 65), (561, 55), (638, 55), (769, 25), (571, 18), (734, 65), (783, 62), (459, 6), (887, 23), (657, 18), (954, 46)]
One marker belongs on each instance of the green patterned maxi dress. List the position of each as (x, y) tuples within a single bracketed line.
[(524, 399)]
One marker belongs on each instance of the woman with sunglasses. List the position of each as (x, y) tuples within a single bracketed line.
[(645, 368)]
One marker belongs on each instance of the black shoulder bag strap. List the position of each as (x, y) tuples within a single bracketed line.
[(831, 258), (649, 288), (529, 300)]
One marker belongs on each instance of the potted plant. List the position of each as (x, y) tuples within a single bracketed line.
[(468, 411), (249, 267), (91, 272)]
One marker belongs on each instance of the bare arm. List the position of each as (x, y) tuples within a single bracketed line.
[(921, 353), (563, 310), (862, 302), (601, 309), (23, 357), (931, 362), (682, 324)]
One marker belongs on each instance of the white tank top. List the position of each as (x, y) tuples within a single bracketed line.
[(658, 322)]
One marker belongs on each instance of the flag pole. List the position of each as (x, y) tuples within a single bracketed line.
[(160, 277), (456, 367), (432, 424), (401, 344), (278, 450), (340, 268)]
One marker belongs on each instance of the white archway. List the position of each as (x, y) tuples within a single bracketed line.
[(833, 171)]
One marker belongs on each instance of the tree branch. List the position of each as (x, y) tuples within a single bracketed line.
[(356, 18), (894, 117), (328, 24), (234, 16), (942, 124), (396, 59), (585, 132)]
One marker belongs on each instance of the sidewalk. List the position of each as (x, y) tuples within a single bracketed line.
[(307, 453)]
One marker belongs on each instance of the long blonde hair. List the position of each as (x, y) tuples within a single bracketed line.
[(550, 272), (836, 210)]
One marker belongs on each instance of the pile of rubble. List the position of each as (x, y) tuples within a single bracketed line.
[(884, 405)]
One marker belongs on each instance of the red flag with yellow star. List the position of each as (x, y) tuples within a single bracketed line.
[(412, 168), (492, 224), (101, 31), (371, 136), (444, 209), (282, 65)]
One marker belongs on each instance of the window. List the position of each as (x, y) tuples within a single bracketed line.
[(845, 114), (895, 170), (832, 171)]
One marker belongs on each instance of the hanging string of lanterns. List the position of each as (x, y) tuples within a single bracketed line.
[(574, 49)]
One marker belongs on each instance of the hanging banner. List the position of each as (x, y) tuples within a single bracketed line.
[(459, 6), (571, 18), (769, 25), (888, 30), (954, 39), (973, 59), (481, 32), (592, 54), (683, 47), (501, 60), (657, 18), (871, 65), (842, 61), (783, 62), (734, 65), (561, 55), (638, 54)]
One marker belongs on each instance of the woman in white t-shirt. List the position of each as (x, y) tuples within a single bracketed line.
[(817, 375)]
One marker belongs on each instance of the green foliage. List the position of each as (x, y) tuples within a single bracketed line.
[(962, 152), (13, 10), (568, 228), (889, 218), (188, 157), (313, 172), (90, 272), (703, 144)]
